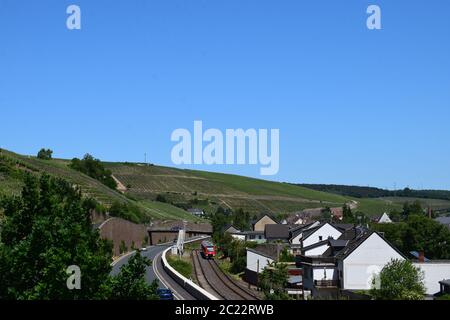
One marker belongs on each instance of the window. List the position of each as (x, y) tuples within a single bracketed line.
[(320, 238)]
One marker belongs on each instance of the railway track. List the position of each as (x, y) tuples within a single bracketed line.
[(201, 276), (221, 286)]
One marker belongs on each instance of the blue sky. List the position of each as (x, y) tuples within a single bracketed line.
[(353, 106)]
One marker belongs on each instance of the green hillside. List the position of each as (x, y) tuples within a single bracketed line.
[(178, 189), (209, 190), (13, 166)]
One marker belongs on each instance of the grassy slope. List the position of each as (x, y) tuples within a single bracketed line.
[(90, 187), (181, 186), (225, 190), (377, 206), (437, 204)]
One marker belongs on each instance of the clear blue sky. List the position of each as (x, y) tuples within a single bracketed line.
[(353, 106)]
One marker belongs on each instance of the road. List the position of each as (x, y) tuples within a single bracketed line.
[(151, 253), (156, 271)]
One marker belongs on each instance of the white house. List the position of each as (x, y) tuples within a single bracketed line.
[(259, 258), (312, 235), (238, 236), (363, 258), (434, 272), (297, 232), (352, 261), (385, 218), (318, 271), (316, 249), (196, 212)]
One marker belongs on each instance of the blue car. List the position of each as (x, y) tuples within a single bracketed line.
[(165, 294)]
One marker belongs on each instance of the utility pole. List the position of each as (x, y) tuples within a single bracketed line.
[(257, 274), (145, 158)]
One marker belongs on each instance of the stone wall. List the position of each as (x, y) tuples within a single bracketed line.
[(118, 230)]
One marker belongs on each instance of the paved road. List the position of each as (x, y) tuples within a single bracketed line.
[(156, 271), (151, 254)]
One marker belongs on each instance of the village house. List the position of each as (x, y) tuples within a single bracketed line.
[(277, 233), (351, 262), (333, 258), (384, 218), (196, 212), (255, 236), (259, 258), (260, 223)]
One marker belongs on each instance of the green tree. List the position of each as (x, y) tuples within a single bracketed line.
[(396, 216), (219, 220), (122, 247), (394, 233), (125, 211), (45, 154), (46, 230), (223, 242), (286, 256), (361, 218), (412, 209), (347, 215), (326, 214), (241, 219), (95, 169), (418, 233), (130, 283), (273, 281), (399, 280), (425, 234)]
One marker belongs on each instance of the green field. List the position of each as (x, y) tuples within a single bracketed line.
[(216, 189), (190, 188), (436, 204), (376, 207)]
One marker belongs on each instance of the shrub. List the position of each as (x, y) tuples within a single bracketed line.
[(45, 154)]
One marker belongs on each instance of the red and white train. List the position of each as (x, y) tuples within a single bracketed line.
[(208, 250)]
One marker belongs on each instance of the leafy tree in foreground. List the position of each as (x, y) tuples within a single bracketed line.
[(273, 281), (130, 283), (46, 230), (399, 280)]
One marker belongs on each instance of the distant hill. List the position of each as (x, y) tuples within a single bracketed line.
[(371, 192), (369, 198)]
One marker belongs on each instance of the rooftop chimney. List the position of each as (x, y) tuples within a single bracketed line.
[(421, 257)]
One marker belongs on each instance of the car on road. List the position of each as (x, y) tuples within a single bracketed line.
[(143, 249), (165, 294)]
